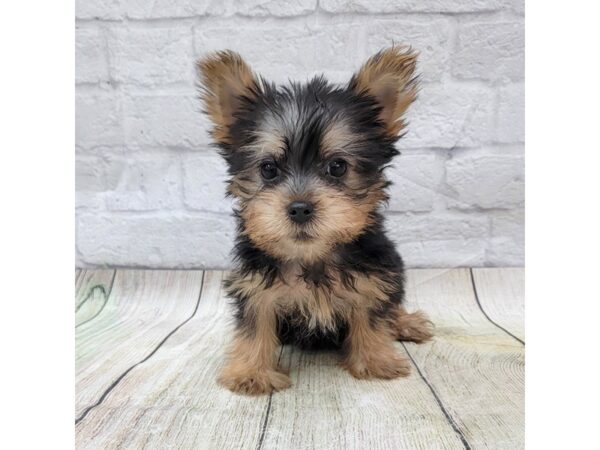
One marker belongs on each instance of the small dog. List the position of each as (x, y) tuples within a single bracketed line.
[(306, 165)]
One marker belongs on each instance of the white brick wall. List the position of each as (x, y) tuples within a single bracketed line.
[(150, 188)]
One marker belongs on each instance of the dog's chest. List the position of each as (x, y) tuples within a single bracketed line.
[(316, 298)]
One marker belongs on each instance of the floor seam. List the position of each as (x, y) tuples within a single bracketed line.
[(124, 374), (483, 311), (447, 415)]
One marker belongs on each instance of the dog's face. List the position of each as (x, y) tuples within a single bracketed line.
[(306, 161)]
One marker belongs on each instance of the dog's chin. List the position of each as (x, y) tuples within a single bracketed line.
[(303, 237), (298, 246)]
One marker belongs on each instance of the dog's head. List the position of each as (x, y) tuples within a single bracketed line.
[(306, 161)]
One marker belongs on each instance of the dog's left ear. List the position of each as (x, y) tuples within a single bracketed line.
[(389, 77), (227, 82)]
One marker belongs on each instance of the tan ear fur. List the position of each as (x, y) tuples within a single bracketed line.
[(389, 77), (226, 79)]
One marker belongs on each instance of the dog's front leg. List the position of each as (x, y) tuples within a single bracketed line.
[(369, 349), (251, 367)]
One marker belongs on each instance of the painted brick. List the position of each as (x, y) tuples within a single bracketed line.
[(151, 56), (507, 245), (204, 182), (98, 119), (406, 228), (164, 120), (161, 9), (89, 179), (98, 9), (150, 189), (90, 56), (490, 51), (430, 38), (144, 184), (450, 115), (294, 50), (510, 127), (518, 6), (276, 8), (89, 174), (164, 240), (444, 253), (391, 6), (439, 240), (416, 179), (304, 47), (485, 181)]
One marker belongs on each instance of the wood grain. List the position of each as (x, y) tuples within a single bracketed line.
[(172, 399), (92, 288), (143, 307), (328, 409), (476, 369), (501, 293), (466, 390)]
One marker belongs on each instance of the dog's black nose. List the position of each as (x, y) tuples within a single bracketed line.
[(300, 212)]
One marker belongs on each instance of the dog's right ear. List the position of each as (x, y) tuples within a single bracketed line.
[(227, 82)]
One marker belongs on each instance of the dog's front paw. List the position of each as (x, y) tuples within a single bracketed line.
[(255, 382), (390, 367)]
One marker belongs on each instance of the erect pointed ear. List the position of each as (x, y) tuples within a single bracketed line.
[(389, 77), (227, 82)]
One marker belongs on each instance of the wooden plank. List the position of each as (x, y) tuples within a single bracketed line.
[(327, 408), (501, 294), (469, 378), (92, 288), (172, 399), (476, 369), (144, 306)]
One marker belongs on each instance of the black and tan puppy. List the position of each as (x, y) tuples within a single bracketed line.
[(306, 164)]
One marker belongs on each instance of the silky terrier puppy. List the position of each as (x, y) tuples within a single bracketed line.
[(314, 266)]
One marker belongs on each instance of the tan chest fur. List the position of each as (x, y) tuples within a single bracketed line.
[(317, 304)]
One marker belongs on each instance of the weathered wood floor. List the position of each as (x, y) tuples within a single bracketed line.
[(149, 344)]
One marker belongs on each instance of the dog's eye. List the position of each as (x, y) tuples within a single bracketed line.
[(336, 168), (268, 170)]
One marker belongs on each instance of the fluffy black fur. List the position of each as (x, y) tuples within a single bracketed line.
[(314, 266), (372, 252), (314, 106)]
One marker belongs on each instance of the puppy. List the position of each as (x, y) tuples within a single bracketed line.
[(314, 266)]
